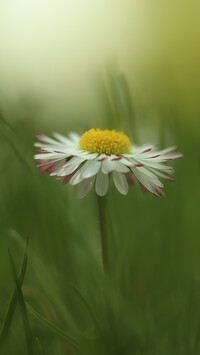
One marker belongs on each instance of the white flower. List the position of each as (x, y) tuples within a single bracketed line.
[(99, 154)]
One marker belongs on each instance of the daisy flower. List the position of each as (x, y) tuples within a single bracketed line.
[(98, 155)]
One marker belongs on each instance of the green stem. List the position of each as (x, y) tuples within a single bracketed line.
[(103, 232)]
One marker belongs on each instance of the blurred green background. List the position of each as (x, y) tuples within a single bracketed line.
[(129, 65)]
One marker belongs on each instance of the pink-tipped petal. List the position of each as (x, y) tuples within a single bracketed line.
[(68, 177), (85, 187), (155, 156), (39, 137), (169, 179), (39, 161), (116, 159), (102, 159), (146, 150), (45, 168), (130, 178), (136, 165)]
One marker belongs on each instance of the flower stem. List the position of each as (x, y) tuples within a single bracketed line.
[(103, 232)]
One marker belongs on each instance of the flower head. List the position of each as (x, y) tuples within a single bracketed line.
[(99, 154)]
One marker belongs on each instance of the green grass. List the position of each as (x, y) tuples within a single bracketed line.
[(151, 303)]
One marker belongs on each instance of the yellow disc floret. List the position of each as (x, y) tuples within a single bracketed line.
[(105, 142)]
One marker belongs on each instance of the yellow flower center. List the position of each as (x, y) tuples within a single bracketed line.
[(105, 142)]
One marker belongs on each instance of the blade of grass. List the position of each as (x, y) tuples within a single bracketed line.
[(119, 97), (2, 119), (27, 328), (122, 102), (87, 306), (10, 135), (43, 273), (53, 328), (13, 301), (39, 347)]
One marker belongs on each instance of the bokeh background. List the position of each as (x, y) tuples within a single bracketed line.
[(129, 65)]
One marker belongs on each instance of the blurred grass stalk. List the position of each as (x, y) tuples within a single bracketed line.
[(119, 98), (13, 301), (7, 130), (26, 323)]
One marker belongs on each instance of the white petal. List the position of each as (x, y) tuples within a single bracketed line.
[(84, 187), (141, 149), (157, 157), (62, 139), (102, 182), (110, 165), (125, 161), (153, 164), (75, 161), (91, 168), (120, 183), (172, 156), (166, 177), (152, 177), (121, 168), (147, 182), (89, 156), (168, 150), (77, 177), (106, 166), (74, 137), (55, 147), (65, 170), (144, 181), (68, 167), (102, 157), (119, 159), (82, 153), (46, 161), (50, 156), (43, 138)]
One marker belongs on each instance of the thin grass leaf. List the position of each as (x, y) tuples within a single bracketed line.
[(43, 273), (13, 301), (27, 328), (39, 346), (10, 135), (3, 121), (112, 119), (120, 101), (87, 306), (128, 106), (53, 328)]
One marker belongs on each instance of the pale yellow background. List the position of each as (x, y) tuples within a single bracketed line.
[(57, 50)]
